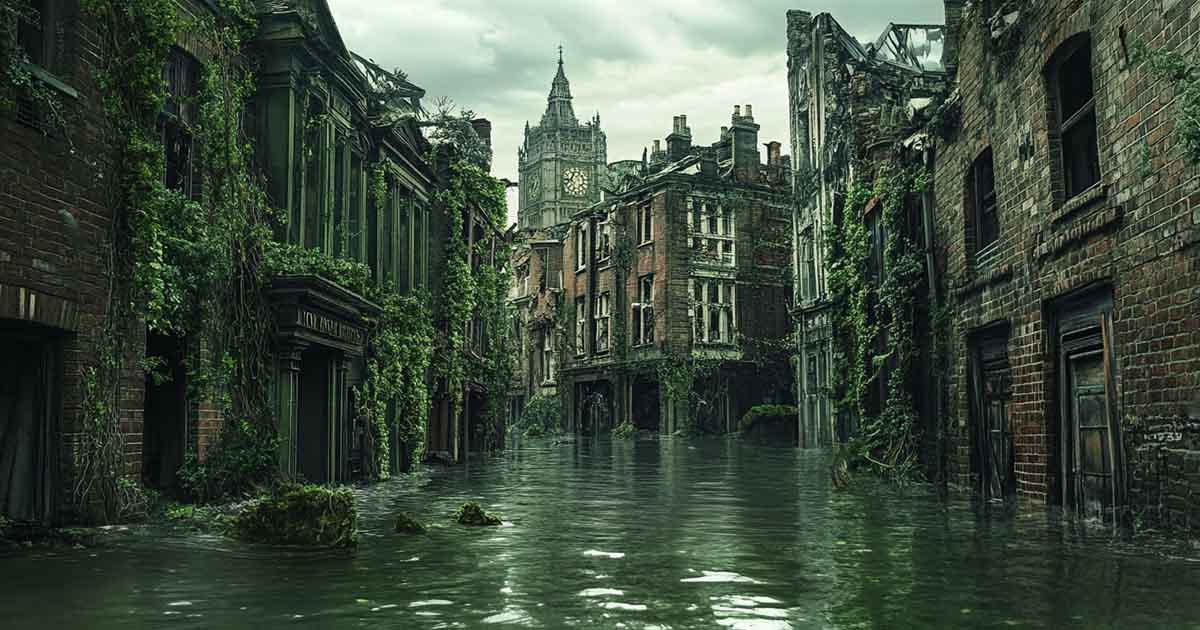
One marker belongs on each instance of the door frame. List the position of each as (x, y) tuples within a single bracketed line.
[(1082, 323)]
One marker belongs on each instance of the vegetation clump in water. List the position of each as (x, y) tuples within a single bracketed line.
[(624, 431), (406, 524), (307, 515), (472, 514), (776, 424)]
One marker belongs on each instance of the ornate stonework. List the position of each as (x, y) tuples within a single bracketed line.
[(561, 161)]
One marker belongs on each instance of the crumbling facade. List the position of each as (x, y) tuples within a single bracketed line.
[(1059, 215), (675, 288), (537, 298), (561, 161), (1071, 247), (848, 103)]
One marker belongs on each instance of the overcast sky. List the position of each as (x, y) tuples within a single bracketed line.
[(637, 62)]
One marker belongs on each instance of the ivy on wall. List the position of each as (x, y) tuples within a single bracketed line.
[(866, 310)]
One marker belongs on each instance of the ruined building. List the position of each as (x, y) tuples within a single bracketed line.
[(561, 161), (849, 103), (536, 295), (675, 288), (338, 143), (1060, 219)]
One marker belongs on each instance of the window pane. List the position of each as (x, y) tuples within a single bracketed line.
[(1081, 162), (1075, 81)]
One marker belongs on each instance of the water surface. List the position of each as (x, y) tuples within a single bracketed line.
[(644, 534)]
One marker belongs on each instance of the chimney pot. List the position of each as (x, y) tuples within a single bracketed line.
[(749, 111), (737, 110)]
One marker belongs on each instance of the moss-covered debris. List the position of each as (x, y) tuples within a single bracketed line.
[(313, 516), (472, 514), (406, 524)]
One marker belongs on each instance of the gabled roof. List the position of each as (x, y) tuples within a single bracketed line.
[(315, 14)]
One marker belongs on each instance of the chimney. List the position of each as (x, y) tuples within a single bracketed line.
[(749, 111), (773, 153), (679, 143), (483, 129), (745, 145)]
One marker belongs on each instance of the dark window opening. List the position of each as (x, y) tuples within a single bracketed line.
[(1076, 117), (180, 113), (984, 208), (39, 33)]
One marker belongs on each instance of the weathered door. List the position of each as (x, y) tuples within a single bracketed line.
[(993, 437), (1092, 473), (1091, 457)]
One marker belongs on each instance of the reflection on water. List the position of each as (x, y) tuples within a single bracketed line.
[(646, 534)]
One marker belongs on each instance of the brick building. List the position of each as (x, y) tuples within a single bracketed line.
[(846, 100), (320, 136), (537, 297), (659, 274), (1065, 246), (1071, 247)]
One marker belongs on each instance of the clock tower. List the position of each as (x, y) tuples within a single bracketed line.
[(561, 162)]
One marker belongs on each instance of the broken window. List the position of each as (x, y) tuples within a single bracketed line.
[(523, 279), (984, 218), (1075, 116), (643, 311), (547, 356), (182, 78), (41, 35), (714, 312)]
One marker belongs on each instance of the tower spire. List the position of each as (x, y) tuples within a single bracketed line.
[(558, 104)]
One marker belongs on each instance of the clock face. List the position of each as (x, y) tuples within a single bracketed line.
[(575, 182)]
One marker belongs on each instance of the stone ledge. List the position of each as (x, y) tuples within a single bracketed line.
[(1085, 199), (973, 283), (1078, 232)]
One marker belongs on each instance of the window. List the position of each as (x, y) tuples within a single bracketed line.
[(983, 198), (547, 356), (341, 159), (523, 279), (645, 224), (643, 312), (713, 312), (603, 242), (354, 210), (712, 237), (581, 246), (182, 77), (601, 312), (580, 325), (40, 35), (1071, 78), (808, 286)]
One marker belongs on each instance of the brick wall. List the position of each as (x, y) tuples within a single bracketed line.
[(1137, 235)]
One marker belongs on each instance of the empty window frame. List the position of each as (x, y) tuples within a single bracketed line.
[(643, 312), (984, 208), (1070, 74)]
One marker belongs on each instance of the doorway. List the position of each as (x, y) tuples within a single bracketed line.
[(165, 411), (646, 405), (30, 413), (1090, 437), (314, 416), (991, 394)]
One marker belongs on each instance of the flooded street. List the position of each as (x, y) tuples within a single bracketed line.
[(644, 534)]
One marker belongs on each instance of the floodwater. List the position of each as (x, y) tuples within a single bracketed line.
[(645, 534)]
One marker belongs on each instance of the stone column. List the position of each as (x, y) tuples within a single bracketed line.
[(288, 383), (344, 431)]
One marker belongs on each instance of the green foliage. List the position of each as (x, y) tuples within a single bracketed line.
[(1172, 68), (406, 524), (542, 415), (313, 516), (470, 513), (243, 458), (864, 309), (624, 431), (766, 414), (283, 259), (401, 347), (16, 77)]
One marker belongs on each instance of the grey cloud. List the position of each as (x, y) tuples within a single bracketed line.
[(637, 62)]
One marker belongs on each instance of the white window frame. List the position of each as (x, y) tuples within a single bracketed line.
[(643, 313), (602, 319), (719, 246), (581, 327), (645, 219), (603, 243), (714, 310), (581, 246), (548, 356)]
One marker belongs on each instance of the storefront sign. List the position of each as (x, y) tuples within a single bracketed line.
[(330, 327)]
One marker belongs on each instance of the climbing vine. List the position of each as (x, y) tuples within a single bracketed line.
[(17, 76), (878, 303), (1172, 68)]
